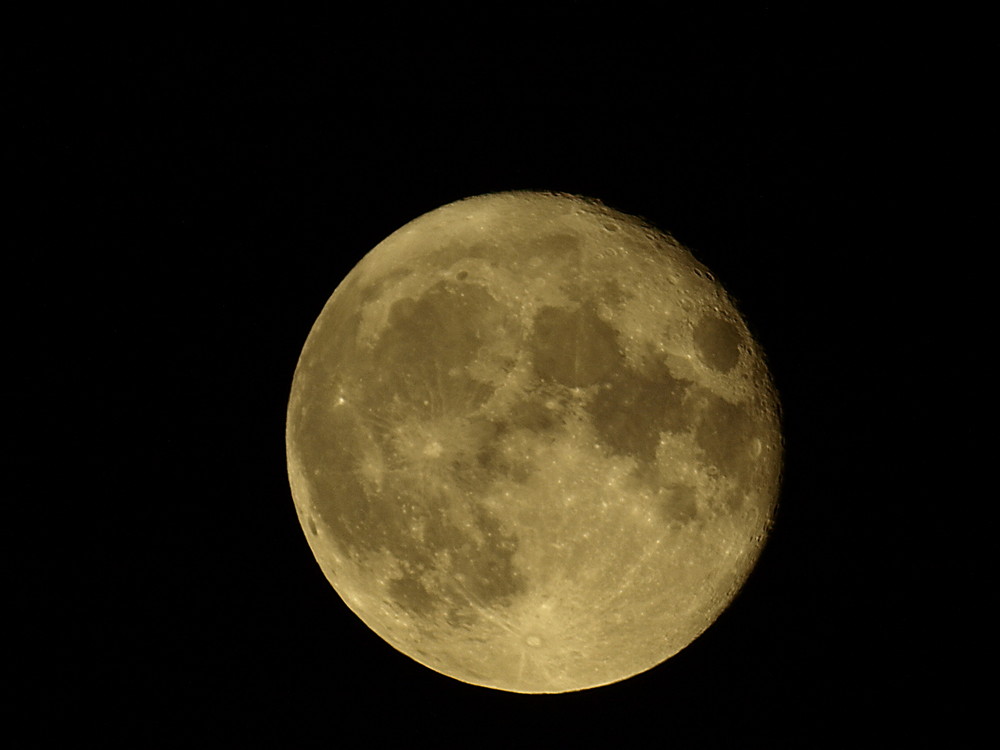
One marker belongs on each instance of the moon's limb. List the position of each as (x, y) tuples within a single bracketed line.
[(533, 444)]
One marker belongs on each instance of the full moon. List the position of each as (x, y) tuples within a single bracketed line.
[(532, 443)]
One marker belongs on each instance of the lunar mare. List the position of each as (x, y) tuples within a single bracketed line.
[(532, 443)]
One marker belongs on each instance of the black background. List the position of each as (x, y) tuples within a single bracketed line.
[(196, 188)]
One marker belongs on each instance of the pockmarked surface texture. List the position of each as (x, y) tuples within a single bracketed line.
[(532, 443)]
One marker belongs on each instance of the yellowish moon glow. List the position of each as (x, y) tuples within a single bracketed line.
[(532, 443)]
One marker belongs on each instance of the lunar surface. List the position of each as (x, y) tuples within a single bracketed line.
[(532, 443)]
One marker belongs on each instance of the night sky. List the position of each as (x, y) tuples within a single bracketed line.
[(195, 190)]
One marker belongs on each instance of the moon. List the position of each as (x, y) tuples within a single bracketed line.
[(532, 443)]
